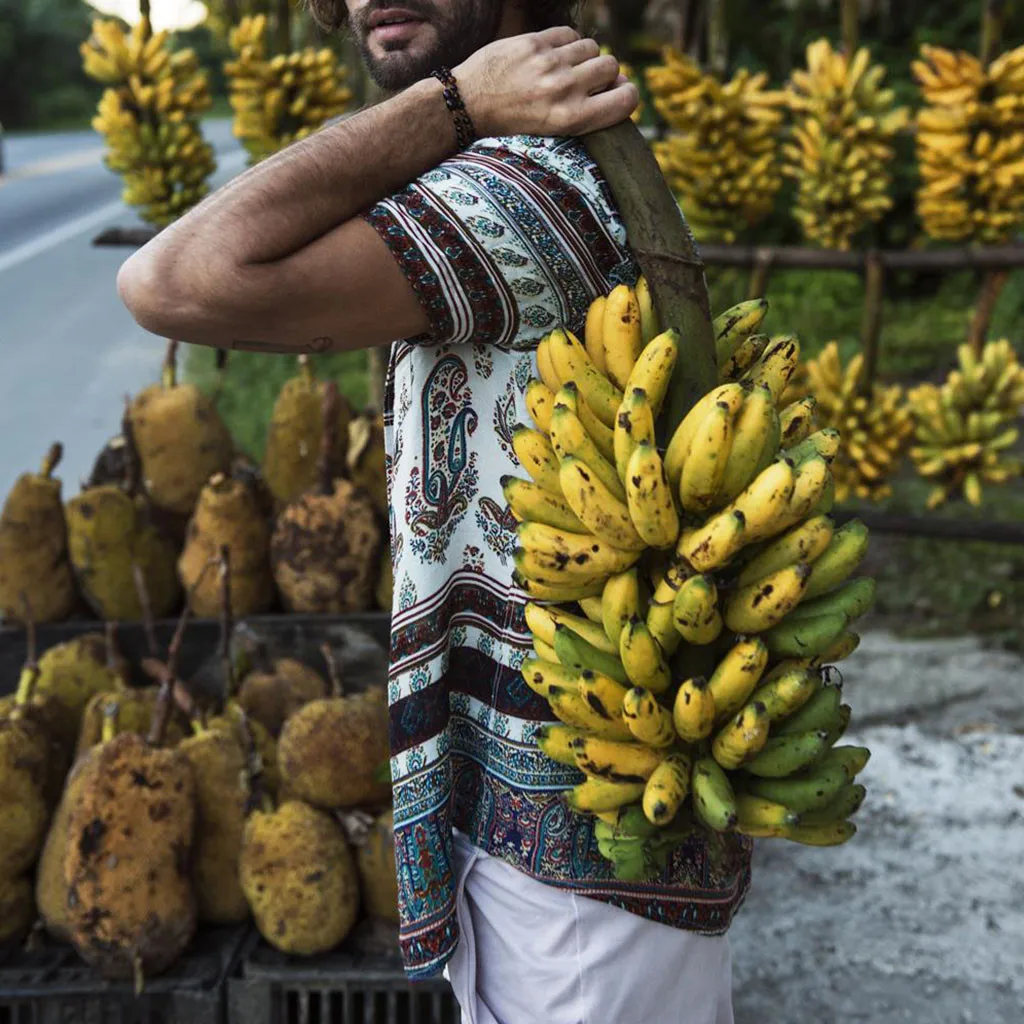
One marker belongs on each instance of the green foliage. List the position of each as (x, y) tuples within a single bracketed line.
[(40, 67)]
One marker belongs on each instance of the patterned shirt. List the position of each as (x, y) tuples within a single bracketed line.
[(502, 243)]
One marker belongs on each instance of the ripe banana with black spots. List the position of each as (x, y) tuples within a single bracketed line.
[(661, 610), (570, 438), (560, 557), (797, 421), (546, 367), (741, 738), (617, 761), (735, 325), (571, 709), (695, 611), (532, 503), (543, 621), (712, 545), (784, 692), (704, 468), (540, 675), (602, 693), (634, 424), (620, 602), (642, 657), (652, 372), (678, 451), (759, 606), (571, 362), (593, 333), (649, 324), (803, 543), (667, 787), (556, 742), (776, 366), (547, 592), (596, 795), (693, 711), (537, 457), (754, 813), (623, 334), (646, 719), (540, 401), (756, 437), (649, 498), (597, 507), (737, 675)]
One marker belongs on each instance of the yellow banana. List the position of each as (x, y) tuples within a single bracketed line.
[(754, 812), (623, 337), (797, 420), (602, 694), (569, 437), (705, 464), (642, 657), (572, 710), (841, 649), (736, 676), (776, 366), (735, 325), (556, 742), (602, 436), (571, 362), (693, 712), (745, 356), (591, 607), (635, 423), (545, 366), (753, 432), (652, 372), (532, 503), (766, 602), (540, 675), (542, 622), (695, 611), (565, 558), (712, 545), (598, 509), (829, 834), (765, 504), (544, 651), (660, 612), (539, 403), (537, 457), (667, 788), (550, 592), (742, 738), (646, 719), (678, 450), (620, 602), (648, 315), (803, 543), (597, 795), (810, 487), (649, 498), (783, 692), (618, 761), (593, 334), (840, 559)]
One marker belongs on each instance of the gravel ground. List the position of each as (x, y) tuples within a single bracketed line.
[(921, 916)]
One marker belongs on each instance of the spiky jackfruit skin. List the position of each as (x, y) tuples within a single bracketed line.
[(128, 862), (218, 765), (266, 745), (331, 751), (270, 698), (298, 874), (49, 717), (367, 460), (182, 442), (324, 552), (34, 552), (24, 810), (378, 880), (17, 911), (134, 715), (109, 532), (295, 437), (51, 889)]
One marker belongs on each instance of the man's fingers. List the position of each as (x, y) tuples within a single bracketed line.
[(579, 51), (560, 35), (604, 109)]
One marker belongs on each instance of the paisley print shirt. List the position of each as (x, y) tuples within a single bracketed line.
[(502, 243)]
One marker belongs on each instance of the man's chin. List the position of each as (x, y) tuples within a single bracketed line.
[(398, 69)]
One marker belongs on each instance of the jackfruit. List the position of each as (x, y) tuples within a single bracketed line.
[(295, 436), (367, 459), (180, 438), (108, 533), (222, 794), (325, 546), (331, 752), (298, 875), (231, 723), (17, 911), (375, 858), (227, 514), (277, 688), (128, 863), (34, 547), (135, 708)]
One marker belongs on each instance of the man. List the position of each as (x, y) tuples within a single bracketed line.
[(396, 224)]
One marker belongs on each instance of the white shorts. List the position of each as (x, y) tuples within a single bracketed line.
[(533, 954)]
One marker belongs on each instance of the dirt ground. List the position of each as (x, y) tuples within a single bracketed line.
[(921, 916)]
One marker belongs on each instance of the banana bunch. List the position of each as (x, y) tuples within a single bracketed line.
[(721, 153), (970, 145), (685, 596), (875, 428), (280, 99), (964, 429), (842, 144), (149, 118)]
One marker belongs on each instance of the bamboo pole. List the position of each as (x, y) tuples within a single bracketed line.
[(871, 322), (665, 249), (850, 15), (992, 14), (284, 26), (991, 288)]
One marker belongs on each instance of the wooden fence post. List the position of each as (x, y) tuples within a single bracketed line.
[(871, 322), (850, 15)]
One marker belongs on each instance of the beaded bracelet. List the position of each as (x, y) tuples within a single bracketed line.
[(465, 130)]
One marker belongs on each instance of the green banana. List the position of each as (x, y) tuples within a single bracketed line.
[(844, 804), (804, 638), (820, 713), (783, 756), (807, 791), (574, 652), (852, 600), (713, 798), (837, 563), (851, 759)]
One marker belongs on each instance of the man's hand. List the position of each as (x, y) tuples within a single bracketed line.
[(544, 83)]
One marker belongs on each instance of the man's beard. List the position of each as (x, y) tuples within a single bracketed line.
[(462, 29)]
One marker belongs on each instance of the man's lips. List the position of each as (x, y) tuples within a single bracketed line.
[(392, 14)]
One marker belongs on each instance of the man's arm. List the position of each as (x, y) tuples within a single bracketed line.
[(279, 261)]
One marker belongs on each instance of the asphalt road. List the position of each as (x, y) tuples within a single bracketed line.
[(69, 351)]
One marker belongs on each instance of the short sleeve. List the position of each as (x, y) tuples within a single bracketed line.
[(505, 241)]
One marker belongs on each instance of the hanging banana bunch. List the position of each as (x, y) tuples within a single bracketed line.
[(685, 592), (280, 99), (875, 428), (149, 118), (964, 429), (721, 153), (970, 145), (842, 148)]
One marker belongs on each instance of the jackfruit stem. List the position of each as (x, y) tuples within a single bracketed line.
[(110, 645), (138, 974), (252, 773), (169, 375), (329, 438), (132, 463), (111, 716), (30, 671), (226, 623), (52, 460), (333, 670), (142, 592), (165, 697)]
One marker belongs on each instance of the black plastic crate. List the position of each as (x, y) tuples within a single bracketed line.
[(297, 635), (52, 985), (343, 987)]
